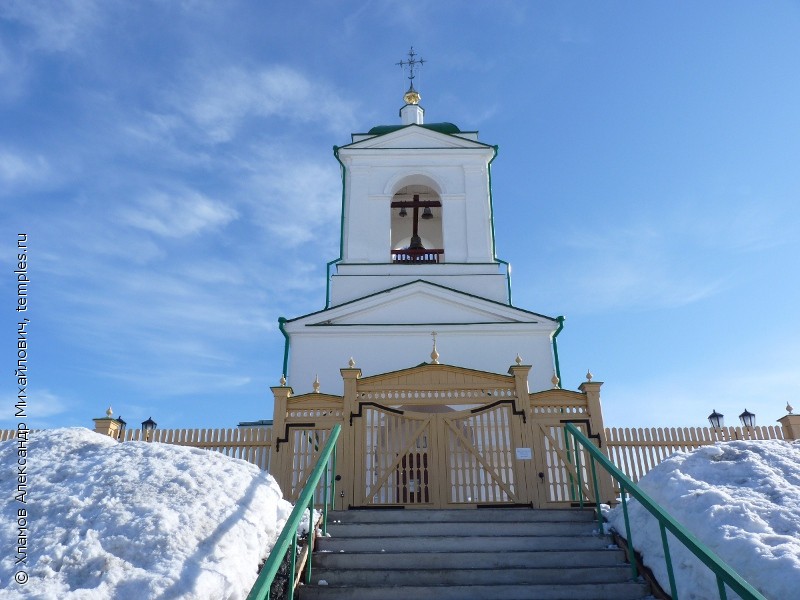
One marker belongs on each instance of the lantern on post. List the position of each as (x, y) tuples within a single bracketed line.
[(717, 420), (747, 418), (148, 427), (121, 431)]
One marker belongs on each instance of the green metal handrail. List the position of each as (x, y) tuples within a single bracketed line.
[(724, 573), (305, 502)]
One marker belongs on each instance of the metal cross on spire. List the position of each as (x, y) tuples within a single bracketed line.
[(411, 63)]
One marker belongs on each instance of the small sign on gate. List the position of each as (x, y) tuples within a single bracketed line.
[(524, 454)]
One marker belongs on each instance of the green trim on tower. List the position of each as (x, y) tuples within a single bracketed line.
[(444, 127), (328, 280), (281, 323), (560, 320), (344, 174), (343, 171), (508, 277), (491, 222), (491, 205), (442, 324)]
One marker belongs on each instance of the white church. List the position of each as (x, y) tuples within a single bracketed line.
[(417, 257), (447, 395)]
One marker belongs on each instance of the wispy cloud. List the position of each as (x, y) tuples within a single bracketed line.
[(172, 267), (297, 201), (685, 252), (633, 267), (176, 329), (42, 405), (177, 215), (17, 169), (55, 27), (739, 224), (221, 101)]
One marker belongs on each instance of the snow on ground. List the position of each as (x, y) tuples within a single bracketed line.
[(742, 499), (135, 521)]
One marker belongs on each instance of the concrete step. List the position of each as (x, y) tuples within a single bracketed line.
[(485, 576), (502, 554), (449, 543), (493, 515), (469, 560), (577, 591), (438, 528)]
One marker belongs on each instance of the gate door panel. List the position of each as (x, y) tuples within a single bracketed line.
[(394, 463), (558, 461), (303, 443), (479, 451)]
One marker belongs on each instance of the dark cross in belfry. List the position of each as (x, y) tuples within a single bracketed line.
[(415, 205), (411, 63)]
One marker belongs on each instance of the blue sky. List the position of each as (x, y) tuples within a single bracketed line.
[(171, 164)]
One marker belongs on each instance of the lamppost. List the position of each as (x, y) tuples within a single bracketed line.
[(748, 419), (147, 427), (121, 431), (717, 420)]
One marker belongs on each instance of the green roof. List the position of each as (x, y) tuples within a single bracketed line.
[(448, 128)]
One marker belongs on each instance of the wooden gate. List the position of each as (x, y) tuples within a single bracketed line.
[(438, 460), (439, 436)]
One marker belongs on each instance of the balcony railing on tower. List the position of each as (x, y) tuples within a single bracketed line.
[(417, 255)]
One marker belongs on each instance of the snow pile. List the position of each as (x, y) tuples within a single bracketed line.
[(136, 521), (742, 499)]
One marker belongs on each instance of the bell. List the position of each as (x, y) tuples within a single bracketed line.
[(416, 243), (427, 214), (403, 212)]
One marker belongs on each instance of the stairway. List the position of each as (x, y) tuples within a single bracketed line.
[(498, 554)]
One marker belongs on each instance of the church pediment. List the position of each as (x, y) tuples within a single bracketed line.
[(433, 377), (421, 303), (414, 136)]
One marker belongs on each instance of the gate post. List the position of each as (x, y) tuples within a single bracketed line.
[(280, 463), (529, 479), (108, 425), (791, 426), (350, 454), (595, 409)]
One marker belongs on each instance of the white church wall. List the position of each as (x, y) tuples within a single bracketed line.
[(358, 240), (485, 348), (478, 227), (454, 224)]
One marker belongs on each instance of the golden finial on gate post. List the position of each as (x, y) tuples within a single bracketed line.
[(315, 385), (518, 359), (283, 380), (589, 375), (555, 381), (434, 354), (351, 363)]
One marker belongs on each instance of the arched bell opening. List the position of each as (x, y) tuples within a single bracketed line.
[(416, 225)]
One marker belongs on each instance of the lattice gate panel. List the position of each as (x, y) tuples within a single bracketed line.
[(306, 445), (397, 460), (480, 458), (559, 461)]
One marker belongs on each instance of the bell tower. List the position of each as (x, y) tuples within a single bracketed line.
[(417, 255), (417, 205)]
